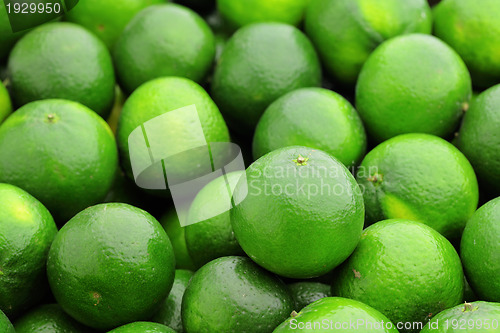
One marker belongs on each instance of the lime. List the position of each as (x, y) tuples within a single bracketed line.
[(49, 318), (59, 151), (62, 60), (5, 104), (312, 117), (170, 310), (339, 314), (243, 12), (479, 138), (151, 46), (305, 293), (303, 213), (107, 18), (26, 232), (412, 84), (233, 294), (5, 324), (419, 177), (260, 63), (345, 32), (480, 251), (110, 265), (176, 233), (473, 30), (143, 327), (473, 317), (404, 269), (208, 237)]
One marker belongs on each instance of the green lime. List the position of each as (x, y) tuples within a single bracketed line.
[(62, 60), (419, 177), (26, 232), (305, 293), (209, 235), (5, 324), (59, 151), (404, 269), (49, 318), (479, 138), (260, 63), (412, 84), (302, 215), (233, 294), (163, 40), (480, 251), (176, 233), (345, 32), (312, 117), (476, 317), (107, 18), (244, 12), (143, 327), (158, 97), (110, 265), (472, 28), (170, 310), (5, 104), (339, 314)]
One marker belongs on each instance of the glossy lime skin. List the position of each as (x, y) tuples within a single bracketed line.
[(143, 327), (151, 46), (412, 84), (171, 224), (260, 63), (130, 259), (233, 294), (419, 177), (480, 251), (298, 220), (336, 310), (49, 318), (212, 237), (26, 232), (170, 310), (404, 269), (479, 315), (345, 32), (312, 117), (5, 324), (305, 293), (62, 60), (474, 32), (5, 103), (60, 152), (479, 138)]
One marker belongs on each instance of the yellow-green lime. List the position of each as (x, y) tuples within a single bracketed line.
[(176, 233), (5, 103), (307, 292), (143, 327)]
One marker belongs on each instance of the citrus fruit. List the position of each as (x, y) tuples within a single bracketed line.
[(312, 117), (233, 294), (107, 19), (244, 12), (151, 46), (5, 324), (60, 152), (339, 314), (302, 215), (143, 327), (305, 293), (473, 317), (170, 310), (49, 318), (473, 30), (5, 104), (404, 269), (176, 233), (345, 32), (62, 60), (158, 97), (26, 232), (419, 177), (412, 84), (208, 237), (479, 138), (110, 265), (260, 63), (480, 251)]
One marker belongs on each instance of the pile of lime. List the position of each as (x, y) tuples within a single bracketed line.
[(250, 166)]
